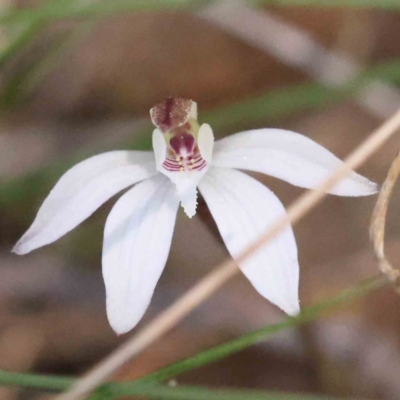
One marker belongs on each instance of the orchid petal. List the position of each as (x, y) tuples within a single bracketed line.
[(289, 156), (137, 239), (205, 142), (83, 189), (243, 209), (159, 148)]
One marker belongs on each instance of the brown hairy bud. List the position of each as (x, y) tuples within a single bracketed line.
[(172, 113)]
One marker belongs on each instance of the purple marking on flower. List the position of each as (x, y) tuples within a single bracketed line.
[(182, 144)]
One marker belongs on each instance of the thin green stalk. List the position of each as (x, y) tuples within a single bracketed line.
[(146, 386), (34, 381), (219, 352), (197, 393), (152, 391)]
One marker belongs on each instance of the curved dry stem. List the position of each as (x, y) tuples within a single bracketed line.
[(378, 222), (221, 274)]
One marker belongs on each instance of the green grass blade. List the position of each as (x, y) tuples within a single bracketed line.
[(62, 10), (147, 387), (197, 393), (282, 102), (21, 39), (35, 381), (27, 32), (219, 352), (152, 391), (30, 78)]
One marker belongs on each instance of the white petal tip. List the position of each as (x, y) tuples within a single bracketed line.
[(121, 323), (27, 243), (291, 309), (294, 310), (120, 331), (373, 188), (352, 188), (190, 211), (20, 249), (368, 188), (289, 306)]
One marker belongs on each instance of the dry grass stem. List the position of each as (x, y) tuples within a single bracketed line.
[(221, 274), (377, 228)]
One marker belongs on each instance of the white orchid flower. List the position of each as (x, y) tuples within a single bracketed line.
[(138, 231)]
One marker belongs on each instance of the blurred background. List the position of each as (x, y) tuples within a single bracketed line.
[(75, 83)]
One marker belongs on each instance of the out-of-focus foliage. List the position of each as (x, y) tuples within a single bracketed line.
[(56, 9), (51, 302), (276, 104)]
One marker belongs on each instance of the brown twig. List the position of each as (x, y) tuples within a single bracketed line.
[(378, 222), (221, 274)]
